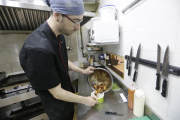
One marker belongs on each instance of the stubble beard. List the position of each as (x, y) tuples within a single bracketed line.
[(62, 29)]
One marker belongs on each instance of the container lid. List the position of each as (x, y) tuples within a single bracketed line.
[(107, 6), (133, 87), (139, 93)]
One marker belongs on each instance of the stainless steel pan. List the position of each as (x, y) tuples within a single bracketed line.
[(99, 76)]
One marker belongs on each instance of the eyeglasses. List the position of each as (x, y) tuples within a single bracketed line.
[(75, 23)]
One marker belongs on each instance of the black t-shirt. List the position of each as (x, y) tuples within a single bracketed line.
[(46, 64)]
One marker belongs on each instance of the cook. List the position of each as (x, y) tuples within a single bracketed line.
[(44, 59)]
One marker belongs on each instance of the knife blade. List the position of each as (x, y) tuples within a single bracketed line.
[(130, 60), (136, 63), (158, 68), (165, 69)]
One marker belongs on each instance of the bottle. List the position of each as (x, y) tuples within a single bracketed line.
[(131, 91), (91, 60), (139, 101)]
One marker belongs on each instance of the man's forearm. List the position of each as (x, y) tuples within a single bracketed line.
[(61, 94), (69, 97), (74, 67)]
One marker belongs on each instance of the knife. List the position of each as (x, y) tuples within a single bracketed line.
[(127, 63), (113, 113), (130, 59), (165, 69), (158, 68), (136, 63)]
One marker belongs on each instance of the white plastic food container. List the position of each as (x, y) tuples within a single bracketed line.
[(99, 97), (139, 101), (108, 12)]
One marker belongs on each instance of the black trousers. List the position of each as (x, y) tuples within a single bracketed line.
[(57, 111), (69, 117)]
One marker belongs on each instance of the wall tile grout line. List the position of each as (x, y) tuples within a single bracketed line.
[(176, 89), (153, 78), (169, 101), (153, 110), (178, 29), (150, 24)]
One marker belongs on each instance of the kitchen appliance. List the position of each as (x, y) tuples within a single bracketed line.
[(24, 16), (129, 64), (136, 63), (158, 68), (2, 75), (15, 88), (108, 13), (97, 78), (165, 70), (104, 32)]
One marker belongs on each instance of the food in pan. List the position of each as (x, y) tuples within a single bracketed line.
[(100, 77), (100, 88), (95, 87), (101, 81)]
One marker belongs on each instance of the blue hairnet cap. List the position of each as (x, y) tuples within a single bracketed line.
[(68, 7)]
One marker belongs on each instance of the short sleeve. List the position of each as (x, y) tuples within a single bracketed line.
[(40, 68)]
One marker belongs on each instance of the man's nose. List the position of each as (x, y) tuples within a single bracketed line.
[(77, 27)]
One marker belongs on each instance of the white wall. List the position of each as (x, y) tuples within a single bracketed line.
[(153, 22)]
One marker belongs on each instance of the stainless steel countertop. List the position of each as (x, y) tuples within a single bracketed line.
[(97, 112)]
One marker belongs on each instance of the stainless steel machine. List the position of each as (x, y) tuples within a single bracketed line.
[(18, 100)]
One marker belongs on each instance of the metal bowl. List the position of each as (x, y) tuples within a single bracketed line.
[(99, 76)]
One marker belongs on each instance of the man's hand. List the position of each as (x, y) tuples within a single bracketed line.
[(90, 101), (88, 70)]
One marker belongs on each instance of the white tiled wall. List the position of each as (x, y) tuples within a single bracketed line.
[(10, 45), (153, 22)]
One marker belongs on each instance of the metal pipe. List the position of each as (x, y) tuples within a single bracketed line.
[(15, 32), (132, 5), (82, 46)]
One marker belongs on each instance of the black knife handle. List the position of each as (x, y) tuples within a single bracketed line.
[(127, 64), (129, 71), (113, 113), (158, 81), (135, 74), (164, 87), (110, 113)]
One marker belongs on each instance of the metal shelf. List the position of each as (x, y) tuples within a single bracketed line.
[(172, 69), (109, 43)]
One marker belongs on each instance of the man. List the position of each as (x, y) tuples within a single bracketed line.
[(44, 59)]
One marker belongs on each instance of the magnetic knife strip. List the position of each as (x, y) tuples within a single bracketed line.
[(172, 69)]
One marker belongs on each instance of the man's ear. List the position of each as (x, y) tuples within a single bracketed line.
[(57, 16)]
